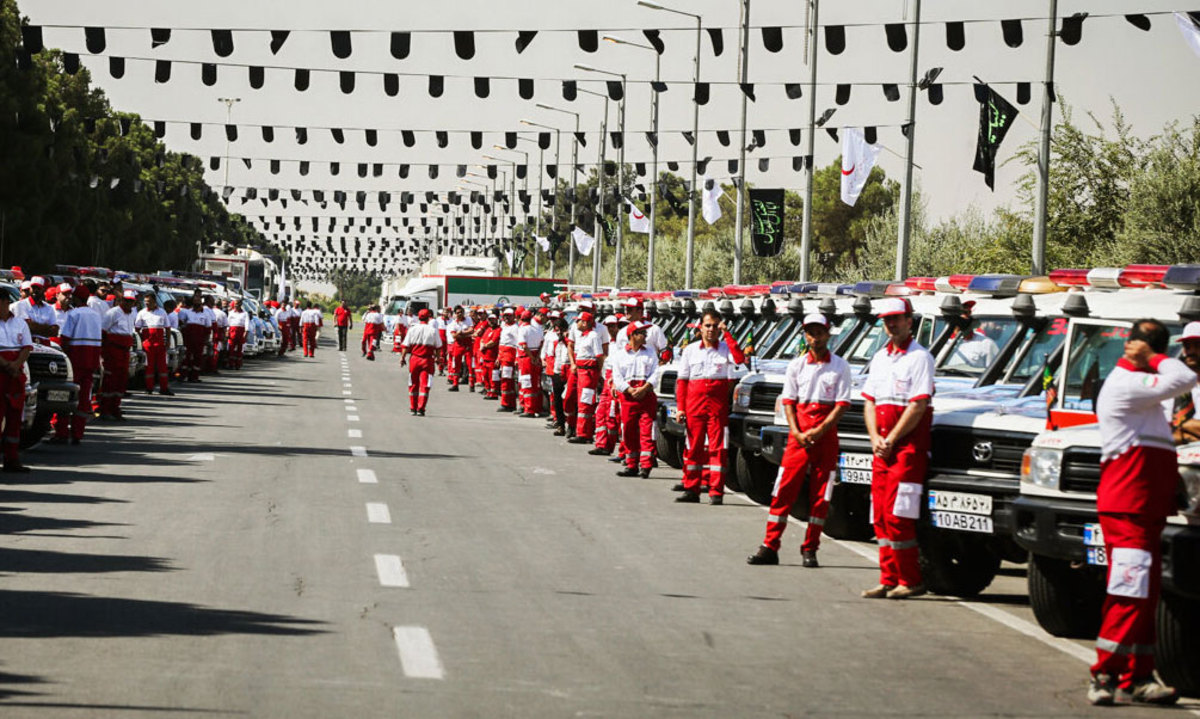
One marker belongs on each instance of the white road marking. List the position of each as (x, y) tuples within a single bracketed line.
[(348, 401), (390, 570), (347, 385), (377, 513), (346, 391), (543, 470), (358, 451), (202, 458), (351, 418), (354, 433), (418, 656), (367, 476)]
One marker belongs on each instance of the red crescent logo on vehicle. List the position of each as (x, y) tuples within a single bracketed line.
[(850, 171)]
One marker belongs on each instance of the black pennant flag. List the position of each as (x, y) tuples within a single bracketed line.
[(766, 225), (996, 115)]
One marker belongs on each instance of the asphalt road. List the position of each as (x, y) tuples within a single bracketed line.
[(287, 541)]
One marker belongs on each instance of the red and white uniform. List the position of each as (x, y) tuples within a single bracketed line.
[(656, 339), (282, 318), (398, 331), (706, 377), (98, 305), (507, 364), (14, 337), (1139, 475), (814, 386), (488, 355), (571, 392), (196, 326), (153, 326), (40, 312), (589, 348), (310, 322), (117, 341), (372, 331), (530, 338), (220, 334), (81, 336), (896, 377), (630, 370), (239, 326), (294, 316), (439, 324), (423, 342), (460, 349)]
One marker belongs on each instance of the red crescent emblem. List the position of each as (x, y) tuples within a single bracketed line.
[(638, 216), (850, 171)]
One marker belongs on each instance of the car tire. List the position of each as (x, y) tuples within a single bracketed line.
[(955, 564), (756, 476), (668, 450), (37, 432), (849, 514), (1065, 601), (1177, 655)]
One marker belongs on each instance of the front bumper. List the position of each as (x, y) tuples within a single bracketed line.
[(1002, 491), (665, 419), (745, 430), (57, 396)]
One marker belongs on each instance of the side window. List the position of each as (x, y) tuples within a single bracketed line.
[(1095, 350)]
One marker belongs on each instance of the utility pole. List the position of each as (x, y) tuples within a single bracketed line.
[(906, 191), (1042, 199), (806, 223), (741, 179)]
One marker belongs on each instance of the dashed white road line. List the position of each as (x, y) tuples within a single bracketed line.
[(390, 570), (358, 451), (351, 418), (367, 476), (346, 391), (354, 433), (348, 401), (418, 655), (377, 513)]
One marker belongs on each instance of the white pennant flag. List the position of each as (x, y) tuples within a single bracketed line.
[(281, 293), (583, 241), (858, 158), (543, 242), (638, 222), (711, 207), (508, 255), (1190, 29)]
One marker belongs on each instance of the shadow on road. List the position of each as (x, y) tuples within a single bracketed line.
[(8, 678), (36, 561), (13, 496), (12, 523)]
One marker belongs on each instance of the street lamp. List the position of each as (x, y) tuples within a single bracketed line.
[(515, 199), (620, 167), (691, 235), (598, 247), (229, 103), (570, 183), (557, 169), (537, 267), (653, 153)]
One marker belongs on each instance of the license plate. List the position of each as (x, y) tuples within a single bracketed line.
[(855, 476), (855, 461), (1093, 536), (58, 395), (1097, 556), (961, 522), (960, 502)]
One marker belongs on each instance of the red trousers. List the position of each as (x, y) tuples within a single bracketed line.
[(608, 416), (571, 399), (310, 340), (237, 347), (218, 337), (155, 346), (707, 419), (114, 355), (12, 405), (194, 338), (398, 337), (815, 464), (461, 364), (368, 341), (1125, 645), (285, 336), (490, 375), (84, 363), (587, 381), (896, 485), (508, 376), (420, 370), (637, 421), (530, 381)]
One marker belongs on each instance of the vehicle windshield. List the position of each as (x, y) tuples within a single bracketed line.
[(974, 348), (1032, 360), (755, 333), (794, 344), (1095, 349), (870, 343), (776, 333)]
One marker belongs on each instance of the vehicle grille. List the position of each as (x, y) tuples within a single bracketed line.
[(1080, 471), (763, 396), (40, 366), (960, 448), (852, 422), (667, 386)]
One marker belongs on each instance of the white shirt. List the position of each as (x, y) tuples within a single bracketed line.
[(151, 319), (453, 327), (372, 318), (808, 382), (212, 316), (42, 314), (590, 346), (530, 337), (173, 320), (656, 340), (898, 377), (508, 335), (630, 366), (310, 317), (977, 351), (422, 333), (573, 334), (1131, 407), (82, 327), (438, 324), (222, 318), (700, 362), (238, 318), (118, 322), (99, 306), (189, 316), (14, 334), (60, 316), (549, 339)]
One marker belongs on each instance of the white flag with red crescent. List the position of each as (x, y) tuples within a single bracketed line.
[(638, 222), (858, 158)]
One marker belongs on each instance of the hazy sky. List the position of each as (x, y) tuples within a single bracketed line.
[(1153, 76)]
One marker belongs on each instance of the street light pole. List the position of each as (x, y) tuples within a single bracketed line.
[(1042, 197), (806, 223), (741, 185), (906, 192), (229, 103), (570, 186), (620, 168)]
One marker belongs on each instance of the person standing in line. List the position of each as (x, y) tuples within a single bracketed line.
[(219, 327), (587, 356), (549, 343), (489, 349), (344, 319), (116, 343), (153, 325), (816, 393), (37, 313), (16, 342), (529, 364), (1139, 478), (422, 342), (899, 420), (571, 391), (372, 331), (195, 324), (633, 365), (507, 361), (81, 336), (239, 326), (459, 332)]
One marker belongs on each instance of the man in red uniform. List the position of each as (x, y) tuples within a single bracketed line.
[(310, 322), (195, 325), (571, 390), (706, 377), (117, 341), (372, 331), (587, 357), (1139, 476), (632, 367), (816, 392), (897, 392), (608, 414), (81, 337), (153, 325), (507, 361), (16, 342), (238, 322), (422, 342), (343, 318), (489, 349), (459, 332), (529, 363)]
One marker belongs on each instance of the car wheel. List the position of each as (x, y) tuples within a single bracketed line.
[(957, 565), (756, 476), (1177, 655), (668, 450), (1065, 601), (849, 513)]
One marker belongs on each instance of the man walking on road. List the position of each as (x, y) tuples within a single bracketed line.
[(1139, 476), (239, 326), (422, 341), (310, 322), (372, 331), (816, 392), (897, 392), (16, 342), (344, 319)]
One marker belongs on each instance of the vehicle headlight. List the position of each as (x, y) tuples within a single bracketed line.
[(741, 396), (1191, 488), (1042, 466)]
